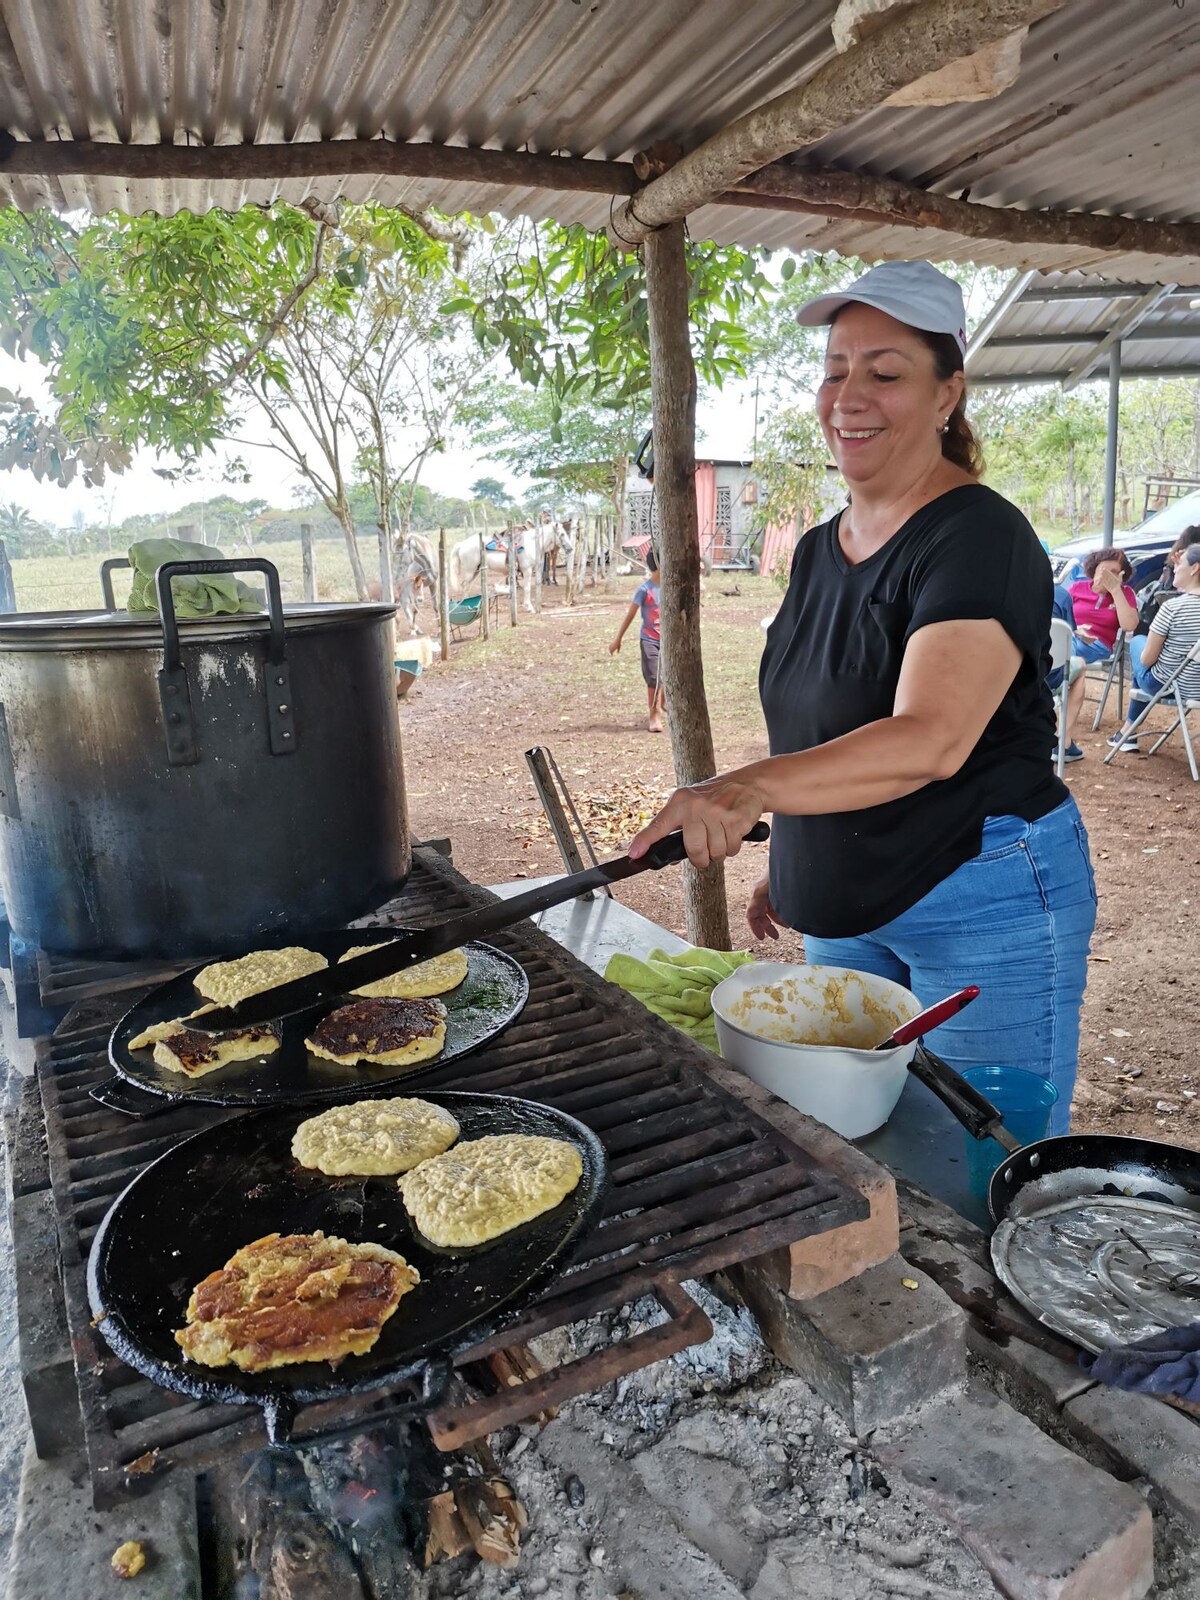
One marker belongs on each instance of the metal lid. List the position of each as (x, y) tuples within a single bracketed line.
[(110, 630)]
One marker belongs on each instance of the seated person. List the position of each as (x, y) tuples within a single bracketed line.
[(1164, 589), (1104, 603), (1175, 629), (1063, 609)]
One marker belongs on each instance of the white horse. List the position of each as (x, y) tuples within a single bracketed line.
[(533, 542)]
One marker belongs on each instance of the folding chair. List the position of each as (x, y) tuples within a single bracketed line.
[(1117, 664), (1172, 691), (1061, 641)]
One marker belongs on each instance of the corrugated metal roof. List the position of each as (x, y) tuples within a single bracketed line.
[(1102, 117), (1069, 315)]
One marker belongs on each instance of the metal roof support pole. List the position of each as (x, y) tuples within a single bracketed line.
[(1110, 447), (673, 401)]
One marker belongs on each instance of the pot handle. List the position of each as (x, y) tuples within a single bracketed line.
[(978, 1115), (174, 690), (107, 568)]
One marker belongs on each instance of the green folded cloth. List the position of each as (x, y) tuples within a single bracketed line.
[(678, 988), (202, 595)]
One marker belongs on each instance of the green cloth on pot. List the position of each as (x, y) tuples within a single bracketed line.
[(679, 988), (204, 595)]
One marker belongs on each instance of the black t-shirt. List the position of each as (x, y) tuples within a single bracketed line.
[(832, 663)]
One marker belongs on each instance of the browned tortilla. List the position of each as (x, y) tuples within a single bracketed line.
[(300, 1297), (381, 1030)]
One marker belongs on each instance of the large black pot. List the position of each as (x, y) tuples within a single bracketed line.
[(185, 788)]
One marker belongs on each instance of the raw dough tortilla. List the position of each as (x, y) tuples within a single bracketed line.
[(374, 1138), (438, 975), (300, 1297), (386, 1033), (485, 1187), (228, 982)]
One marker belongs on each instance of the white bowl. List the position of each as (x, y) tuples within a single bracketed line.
[(766, 1008)]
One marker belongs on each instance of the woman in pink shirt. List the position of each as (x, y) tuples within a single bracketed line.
[(1104, 603)]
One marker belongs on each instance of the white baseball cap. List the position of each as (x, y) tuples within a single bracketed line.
[(914, 292)]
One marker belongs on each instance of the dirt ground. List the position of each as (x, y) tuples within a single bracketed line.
[(551, 681)]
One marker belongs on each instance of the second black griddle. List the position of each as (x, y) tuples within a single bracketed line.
[(188, 1212), (490, 996)]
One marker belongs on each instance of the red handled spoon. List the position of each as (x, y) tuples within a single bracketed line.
[(925, 1021)]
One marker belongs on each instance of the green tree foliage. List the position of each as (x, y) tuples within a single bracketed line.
[(569, 311), (492, 491)]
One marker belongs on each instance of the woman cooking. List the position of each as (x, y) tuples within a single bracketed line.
[(919, 830)]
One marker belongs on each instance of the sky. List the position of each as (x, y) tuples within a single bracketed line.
[(725, 428)]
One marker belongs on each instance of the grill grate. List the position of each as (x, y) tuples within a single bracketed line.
[(698, 1181)]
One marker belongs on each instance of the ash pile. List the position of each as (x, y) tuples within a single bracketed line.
[(713, 1475)]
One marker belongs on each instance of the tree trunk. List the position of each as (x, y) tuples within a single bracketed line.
[(356, 567), (512, 577), (1069, 488), (673, 395)]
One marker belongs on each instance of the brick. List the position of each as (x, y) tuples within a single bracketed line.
[(47, 1365), (871, 1348), (1143, 1436), (1046, 1524), (62, 1547), (810, 1267), (1029, 1376)]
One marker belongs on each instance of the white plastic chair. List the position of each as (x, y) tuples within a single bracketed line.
[(1061, 642), (1172, 691)]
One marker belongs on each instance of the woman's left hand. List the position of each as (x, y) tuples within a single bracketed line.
[(715, 818)]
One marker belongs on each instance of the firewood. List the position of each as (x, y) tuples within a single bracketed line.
[(516, 1366), (493, 1518), (445, 1534)]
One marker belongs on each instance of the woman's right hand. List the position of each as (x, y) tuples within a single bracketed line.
[(761, 916)]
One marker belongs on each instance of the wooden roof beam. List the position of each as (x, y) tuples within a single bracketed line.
[(902, 50), (781, 186)]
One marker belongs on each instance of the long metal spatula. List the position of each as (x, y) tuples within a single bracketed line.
[(407, 949)]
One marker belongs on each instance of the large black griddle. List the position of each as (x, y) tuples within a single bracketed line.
[(490, 996), (188, 1212)]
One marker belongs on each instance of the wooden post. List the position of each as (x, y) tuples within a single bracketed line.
[(673, 398), (512, 577), (8, 596), (443, 596), (485, 625), (308, 563)]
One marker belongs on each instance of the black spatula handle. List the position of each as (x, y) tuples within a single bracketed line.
[(407, 949)]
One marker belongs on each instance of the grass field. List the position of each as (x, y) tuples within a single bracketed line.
[(72, 583)]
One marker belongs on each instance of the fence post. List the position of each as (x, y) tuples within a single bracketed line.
[(308, 563), (443, 596), (485, 626), (8, 597), (512, 577)]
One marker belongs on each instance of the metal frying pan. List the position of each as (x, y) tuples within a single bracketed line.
[(491, 995), (189, 1211), (1098, 1235)]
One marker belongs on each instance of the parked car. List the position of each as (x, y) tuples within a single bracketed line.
[(1146, 545)]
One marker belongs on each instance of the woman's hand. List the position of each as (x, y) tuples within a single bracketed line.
[(762, 918), (715, 818)]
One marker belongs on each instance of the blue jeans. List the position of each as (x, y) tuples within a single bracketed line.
[(1143, 676), (1016, 920), (1091, 650)]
